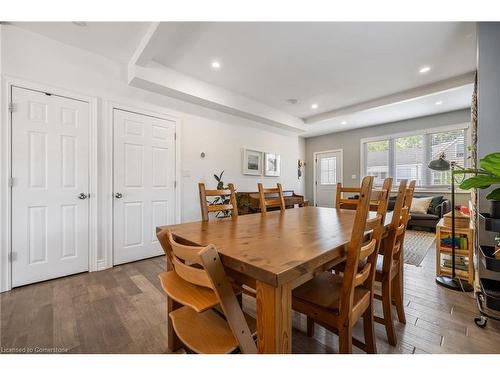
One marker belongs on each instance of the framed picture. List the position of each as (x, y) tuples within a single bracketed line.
[(252, 162), (272, 164)]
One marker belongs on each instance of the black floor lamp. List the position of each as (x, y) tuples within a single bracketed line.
[(453, 282)]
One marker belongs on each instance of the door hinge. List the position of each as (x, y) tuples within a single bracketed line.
[(13, 256), (12, 107), (175, 136), (175, 184), (11, 181)]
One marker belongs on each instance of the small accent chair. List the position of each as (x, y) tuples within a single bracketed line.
[(338, 302), (211, 320), (390, 262), (206, 207), (277, 199), (351, 203)]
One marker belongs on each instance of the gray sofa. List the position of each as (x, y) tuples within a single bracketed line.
[(429, 220)]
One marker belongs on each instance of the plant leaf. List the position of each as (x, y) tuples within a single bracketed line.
[(220, 185), (491, 163), (217, 178), (480, 182), (494, 195)]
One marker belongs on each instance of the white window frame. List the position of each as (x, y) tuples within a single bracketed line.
[(424, 132)]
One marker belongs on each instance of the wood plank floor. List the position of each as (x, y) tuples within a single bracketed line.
[(122, 310)]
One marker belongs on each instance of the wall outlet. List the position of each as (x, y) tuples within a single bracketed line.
[(353, 176)]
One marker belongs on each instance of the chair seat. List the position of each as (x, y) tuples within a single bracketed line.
[(324, 291), (197, 297), (206, 332)]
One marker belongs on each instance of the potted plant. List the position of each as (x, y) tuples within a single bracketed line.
[(221, 199), (487, 175)]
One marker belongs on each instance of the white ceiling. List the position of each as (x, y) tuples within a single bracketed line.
[(338, 65), (115, 40), (451, 100), (333, 64)]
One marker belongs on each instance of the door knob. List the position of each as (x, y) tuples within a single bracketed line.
[(118, 195), (82, 196)]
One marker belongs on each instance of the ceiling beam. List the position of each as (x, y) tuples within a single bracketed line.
[(399, 97), (162, 80), (146, 48)]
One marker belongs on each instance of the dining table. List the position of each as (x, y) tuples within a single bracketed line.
[(273, 253)]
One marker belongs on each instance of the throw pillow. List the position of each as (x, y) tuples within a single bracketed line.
[(436, 201), (420, 205)]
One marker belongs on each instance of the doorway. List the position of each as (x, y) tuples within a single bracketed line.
[(327, 173)]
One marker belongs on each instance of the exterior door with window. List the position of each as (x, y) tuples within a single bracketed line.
[(328, 173)]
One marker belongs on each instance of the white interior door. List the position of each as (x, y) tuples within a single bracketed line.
[(144, 178), (328, 173), (50, 171)]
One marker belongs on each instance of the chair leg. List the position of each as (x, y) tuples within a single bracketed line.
[(397, 289), (387, 309), (345, 339), (310, 327), (369, 330)]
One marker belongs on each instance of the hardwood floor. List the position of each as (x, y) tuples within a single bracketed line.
[(122, 310)]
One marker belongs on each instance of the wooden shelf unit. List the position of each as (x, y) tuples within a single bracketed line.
[(441, 270)]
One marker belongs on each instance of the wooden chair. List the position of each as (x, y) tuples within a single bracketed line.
[(206, 207), (198, 282), (276, 200), (338, 302), (390, 262), (351, 203)]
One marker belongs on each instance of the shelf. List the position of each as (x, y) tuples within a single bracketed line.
[(490, 224), (458, 252), (462, 274)]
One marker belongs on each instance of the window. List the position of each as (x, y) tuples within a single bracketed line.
[(377, 160), (328, 170), (452, 143), (407, 156)]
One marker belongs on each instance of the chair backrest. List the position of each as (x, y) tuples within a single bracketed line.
[(276, 199), (220, 204), (362, 255), (351, 203), (186, 261), (393, 243)]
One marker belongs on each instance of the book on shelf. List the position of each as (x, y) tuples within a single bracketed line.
[(461, 242), (460, 263)]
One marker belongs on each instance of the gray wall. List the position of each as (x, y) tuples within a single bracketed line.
[(349, 141), (488, 111)]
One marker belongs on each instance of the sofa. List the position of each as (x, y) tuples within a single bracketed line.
[(439, 207)]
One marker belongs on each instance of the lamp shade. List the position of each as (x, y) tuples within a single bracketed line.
[(440, 164)]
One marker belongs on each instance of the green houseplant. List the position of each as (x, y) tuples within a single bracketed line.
[(484, 177), (221, 199)]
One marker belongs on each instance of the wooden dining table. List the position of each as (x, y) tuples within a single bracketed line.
[(273, 253)]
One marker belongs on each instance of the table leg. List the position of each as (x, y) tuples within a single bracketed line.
[(274, 318)]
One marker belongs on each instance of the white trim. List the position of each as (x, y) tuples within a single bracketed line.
[(107, 177), (5, 158), (439, 129), (315, 154)]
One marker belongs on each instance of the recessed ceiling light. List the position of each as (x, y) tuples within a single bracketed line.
[(424, 69), (314, 106), (439, 102), (292, 101), (80, 23), (215, 65), (343, 122)]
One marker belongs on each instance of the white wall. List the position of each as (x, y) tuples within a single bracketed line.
[(33, 57)]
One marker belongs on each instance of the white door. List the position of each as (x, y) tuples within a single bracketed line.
[(328, 173), (144, 178), (50, 171)]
